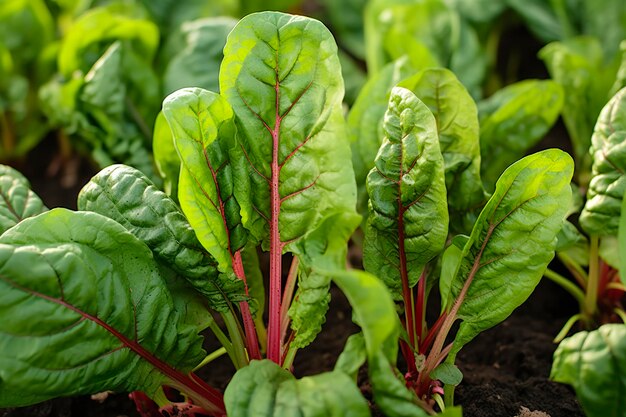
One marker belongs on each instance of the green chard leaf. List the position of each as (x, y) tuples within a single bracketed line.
[(621, 237), (346, 18), (79, 286), (203, 128), (264, 389), (457, 127), (408, 219), (601, 213), (513, 120), (18, 200), (593, 363), (365, 121), (281, 74), (127, 196), (511, 244)]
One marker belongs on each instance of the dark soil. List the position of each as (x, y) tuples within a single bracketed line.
[(505, 368)]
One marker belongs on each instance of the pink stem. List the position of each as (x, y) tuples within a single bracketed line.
[(288, 296), (252, 341)]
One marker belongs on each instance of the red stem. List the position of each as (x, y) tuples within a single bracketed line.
[(252, 341), (430, 337), (420, 307), (274, 342)]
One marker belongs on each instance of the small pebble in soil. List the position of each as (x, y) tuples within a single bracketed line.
[(525, 412)]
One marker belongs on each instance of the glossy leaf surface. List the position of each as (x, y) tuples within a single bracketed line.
[(457, 127), (282, 76), (80, 286), (165, 156), (18, 200), (512, 242), (203, 128), (408, 218), (264, 389), (593, 363), (513, 120), (601, 213), (127, 196)]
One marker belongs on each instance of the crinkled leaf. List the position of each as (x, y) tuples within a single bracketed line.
[(264, 389), (198, 63), (203, 128), (408, 217), (513, 120), (165, 156), (577, 65), (457, 126), (594, 363), (365, 121), (601, 213), (512, 242), (325, 246), (18, 200), (89, 281), (127, 196), (282, 76)]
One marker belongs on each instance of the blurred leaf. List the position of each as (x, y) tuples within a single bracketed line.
[(513, 120)]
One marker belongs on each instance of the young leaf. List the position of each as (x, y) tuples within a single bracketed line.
[(457, 127), (282, 76), (513, 120), (203, 128), (365, 121), (601, 213), (127, 196), (512, 242), (264, 389), (408, 220), (18, 201), (593, 363), (90, 313)]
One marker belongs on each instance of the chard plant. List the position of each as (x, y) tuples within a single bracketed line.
[(594, 256), (114, 296), (482, 277)]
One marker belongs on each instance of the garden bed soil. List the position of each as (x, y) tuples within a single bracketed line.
[(505, 369)]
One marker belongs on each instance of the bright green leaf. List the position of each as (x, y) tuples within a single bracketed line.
[(408, 217), (165, 156), (512, 242)]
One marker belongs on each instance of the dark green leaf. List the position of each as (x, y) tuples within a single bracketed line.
[(408, 217), (601, 213), (513, 120), (264, 389), (86, 316), (127, 196), (512, 242), (18, 200), (594, 363)]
